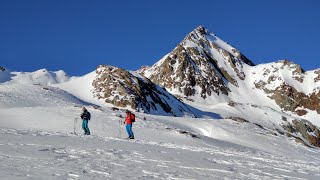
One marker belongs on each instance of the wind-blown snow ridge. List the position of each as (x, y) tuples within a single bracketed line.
[(41, 77)]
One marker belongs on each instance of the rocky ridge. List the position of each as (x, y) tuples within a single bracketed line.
[(128, 90), (202, 64), (290, 86)]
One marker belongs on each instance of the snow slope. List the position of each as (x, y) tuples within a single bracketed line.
[(82, 88), (28, 95), (43, 152), (40, 77), (37, 142)]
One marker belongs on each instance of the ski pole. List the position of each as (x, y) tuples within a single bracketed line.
[(119, 133), (74, 125)]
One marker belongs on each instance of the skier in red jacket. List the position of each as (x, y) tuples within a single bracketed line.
[(130, 118)]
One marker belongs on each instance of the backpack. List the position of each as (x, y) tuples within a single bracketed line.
[(89, 115), (132, 117)]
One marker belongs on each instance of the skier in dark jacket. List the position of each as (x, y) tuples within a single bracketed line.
[(85, 116), (128, 121)]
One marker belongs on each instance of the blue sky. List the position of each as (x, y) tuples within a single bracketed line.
[(77, 35)]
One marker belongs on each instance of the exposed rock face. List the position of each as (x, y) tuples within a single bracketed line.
[(304, 131), (281, 82), (121, 88), (201, 64), (238, 119), (289, 99), (297, 73)]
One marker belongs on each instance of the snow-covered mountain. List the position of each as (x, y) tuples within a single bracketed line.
[(208, 73), (236, 120), (201, 66), (205, 69)]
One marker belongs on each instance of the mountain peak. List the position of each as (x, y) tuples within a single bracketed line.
[(201, 64), (202, 30), (209, 42)]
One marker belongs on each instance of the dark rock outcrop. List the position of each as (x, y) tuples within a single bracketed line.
[(304, 131), (286, 95), (122, 89)]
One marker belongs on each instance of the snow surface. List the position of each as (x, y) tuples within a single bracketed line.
[(81, 87), (39, 77), (37, 141)]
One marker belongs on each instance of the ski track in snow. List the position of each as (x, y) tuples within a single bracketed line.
[(65, 156)]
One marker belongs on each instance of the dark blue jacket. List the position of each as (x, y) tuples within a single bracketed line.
[(85, 115)]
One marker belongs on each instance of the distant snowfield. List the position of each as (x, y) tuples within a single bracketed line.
[(37, 142)]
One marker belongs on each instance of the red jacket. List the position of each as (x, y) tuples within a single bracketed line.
[(128, 119)]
